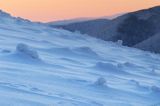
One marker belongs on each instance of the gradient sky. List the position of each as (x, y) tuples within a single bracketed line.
[(50, 10)]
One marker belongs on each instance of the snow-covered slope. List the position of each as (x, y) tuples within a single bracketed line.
[(152, 44), (41, 66)]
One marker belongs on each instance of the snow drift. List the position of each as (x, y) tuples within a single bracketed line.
[(27, 50)]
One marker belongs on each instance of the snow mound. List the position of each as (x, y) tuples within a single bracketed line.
[(155, 89), (120, 65), (128, 64), (85, 51), (134, 82), (106, 66), (62, 51), (100, 81), (154, 71), (78, 52), (27, 50), (5, 51)]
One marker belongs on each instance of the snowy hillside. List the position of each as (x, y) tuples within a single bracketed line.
[(41, 66)]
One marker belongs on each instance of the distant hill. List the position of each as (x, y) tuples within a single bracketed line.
[(92, 27), (82, 19), (133, 28), (69, 21)]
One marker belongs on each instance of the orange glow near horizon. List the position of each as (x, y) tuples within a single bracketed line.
[(51, 10)]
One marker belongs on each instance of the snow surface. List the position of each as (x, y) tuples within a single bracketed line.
[(41, 66)]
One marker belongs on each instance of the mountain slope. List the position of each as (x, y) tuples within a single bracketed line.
[(151, 44), (79, 20), (91, 27), (42, 66), (69, 21), (127, 28)]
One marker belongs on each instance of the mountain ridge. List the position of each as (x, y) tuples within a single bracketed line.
[(110, 31)]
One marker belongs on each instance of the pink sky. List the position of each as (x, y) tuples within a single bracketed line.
[(51, 10)]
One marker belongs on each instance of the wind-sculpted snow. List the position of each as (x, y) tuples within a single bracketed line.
[(26, 50), (100, 82), (40, 66)]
